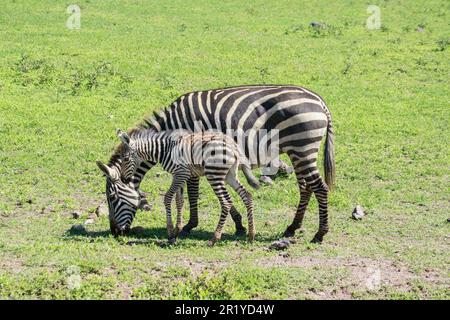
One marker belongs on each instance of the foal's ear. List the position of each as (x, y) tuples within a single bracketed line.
[(124, 137), (106, 170)]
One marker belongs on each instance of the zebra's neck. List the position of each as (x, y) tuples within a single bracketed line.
[(154, 147)]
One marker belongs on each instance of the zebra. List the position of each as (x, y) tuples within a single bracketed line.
[(300, 116), (123, 200), (210, 154)]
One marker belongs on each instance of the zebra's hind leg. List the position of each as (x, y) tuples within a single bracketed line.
[(225, 204), (305, 196), (300, 162), (320, 189), (246, 198), (237, 218), (306, 170), (193, 192)]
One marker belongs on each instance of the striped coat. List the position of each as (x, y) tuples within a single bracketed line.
[(299, 117)]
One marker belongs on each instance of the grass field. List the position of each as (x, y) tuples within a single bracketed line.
[(64, 92)]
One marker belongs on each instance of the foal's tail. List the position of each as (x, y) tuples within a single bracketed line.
[(251, 179)]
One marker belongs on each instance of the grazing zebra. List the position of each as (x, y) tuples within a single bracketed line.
[(300, 117), (123, 200), (210, 154)]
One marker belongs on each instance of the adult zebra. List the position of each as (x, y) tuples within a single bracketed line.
[(300, 117)]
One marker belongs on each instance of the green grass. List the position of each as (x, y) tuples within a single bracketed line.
[(64, 92)]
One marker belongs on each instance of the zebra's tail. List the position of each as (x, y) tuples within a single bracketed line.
[(251, 179), (329, 164)]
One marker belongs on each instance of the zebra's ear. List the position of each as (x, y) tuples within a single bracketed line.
[(124, 137), (106, 170)]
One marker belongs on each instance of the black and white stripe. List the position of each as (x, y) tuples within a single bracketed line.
[(189, 156), (123, 201), (300, 115)]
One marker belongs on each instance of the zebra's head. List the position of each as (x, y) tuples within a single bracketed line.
[(130, 158), (123, 201)]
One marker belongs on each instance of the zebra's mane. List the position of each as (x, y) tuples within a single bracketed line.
[(137, 131)]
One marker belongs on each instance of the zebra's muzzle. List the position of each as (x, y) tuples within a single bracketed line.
[(118, 231)]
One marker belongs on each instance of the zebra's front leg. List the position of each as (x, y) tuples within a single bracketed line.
[(192, 189), (179, 201), (225, 203), (177, 182), (237, 218)]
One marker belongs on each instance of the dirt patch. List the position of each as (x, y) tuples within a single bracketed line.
[(11, 265), (361, 274)]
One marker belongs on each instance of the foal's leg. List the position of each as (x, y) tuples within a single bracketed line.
[(192, 189), (237, 218), (246, 197), (193, 194), (179, 179), (222, 194), (179, 201)]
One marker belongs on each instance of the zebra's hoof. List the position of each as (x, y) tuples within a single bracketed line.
[(240, 232), (184, 233), (317, 239), (212, 242), (251, 238), (172, 241), (288, 233)]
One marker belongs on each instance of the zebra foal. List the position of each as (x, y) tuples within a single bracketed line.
[(191, 155)]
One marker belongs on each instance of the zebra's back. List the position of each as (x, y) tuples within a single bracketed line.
[(293, 117)]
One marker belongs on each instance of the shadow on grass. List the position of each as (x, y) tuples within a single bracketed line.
[(158, 236)]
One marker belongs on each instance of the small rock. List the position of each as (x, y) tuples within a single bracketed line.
[(89, 221), (78, 228), (268, 223), (102, 210), (76, 214), (92, 216), (420, 29), (266, 180), (46, 210), (281, 244), (316, 24), (358, 213)]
